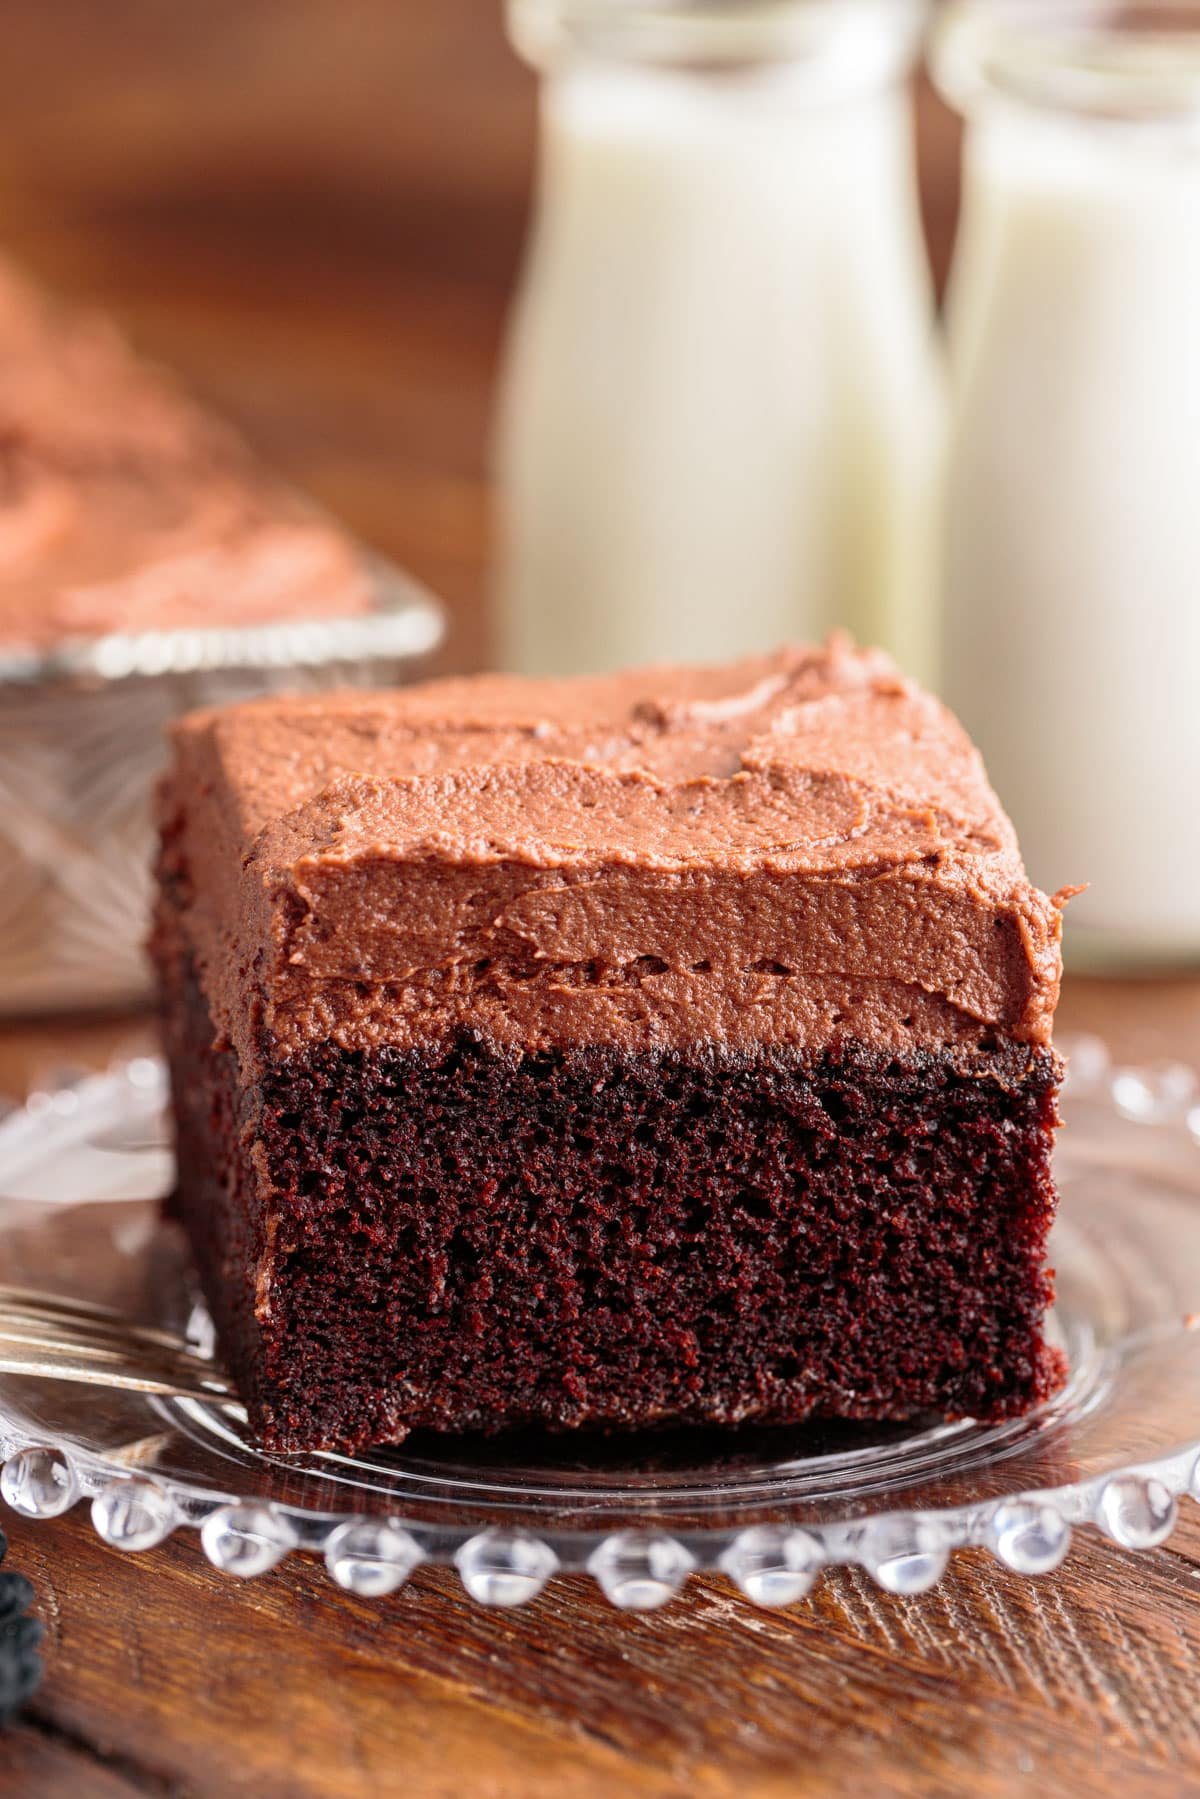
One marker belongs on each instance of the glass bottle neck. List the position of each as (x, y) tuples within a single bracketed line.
[(830, 46), (1124, 66)]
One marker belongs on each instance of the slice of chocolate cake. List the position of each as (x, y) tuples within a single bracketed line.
[(664, 1047)]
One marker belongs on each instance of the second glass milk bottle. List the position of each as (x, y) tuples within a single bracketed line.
[(1072, 537), (719, 411)]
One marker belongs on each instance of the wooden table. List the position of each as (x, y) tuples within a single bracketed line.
[(314, 210)]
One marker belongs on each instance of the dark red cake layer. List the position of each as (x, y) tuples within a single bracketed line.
[(391, 1239)]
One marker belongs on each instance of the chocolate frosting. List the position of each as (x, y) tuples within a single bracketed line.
[(125, 507), (794, 851)]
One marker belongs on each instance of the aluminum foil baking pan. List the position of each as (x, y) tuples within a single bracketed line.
[(82, 741)]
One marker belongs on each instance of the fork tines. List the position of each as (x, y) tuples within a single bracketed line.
[(66, 1339)]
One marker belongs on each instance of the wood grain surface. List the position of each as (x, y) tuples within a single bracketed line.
[(314, 209)]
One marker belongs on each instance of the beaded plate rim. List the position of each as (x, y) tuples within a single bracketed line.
[(1135, 1504)]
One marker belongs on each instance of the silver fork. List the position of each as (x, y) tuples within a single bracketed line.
[(72, 1340)]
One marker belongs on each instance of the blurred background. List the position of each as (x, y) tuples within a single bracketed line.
[(315, 212)]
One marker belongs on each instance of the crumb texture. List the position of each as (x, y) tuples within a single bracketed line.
[(391, 1241)]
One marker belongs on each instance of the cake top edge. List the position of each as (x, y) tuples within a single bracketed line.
[(806, 748), (653, 693)]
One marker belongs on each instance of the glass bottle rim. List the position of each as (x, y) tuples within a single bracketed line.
[(856, 43), (1098, 60)]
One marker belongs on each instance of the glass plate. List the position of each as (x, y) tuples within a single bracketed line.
[(81, 1169)]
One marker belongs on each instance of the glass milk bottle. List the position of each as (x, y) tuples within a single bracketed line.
[(719, 411), (1072, 538)]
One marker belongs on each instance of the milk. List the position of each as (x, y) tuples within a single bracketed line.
[(720, 405), (1072, 544)]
